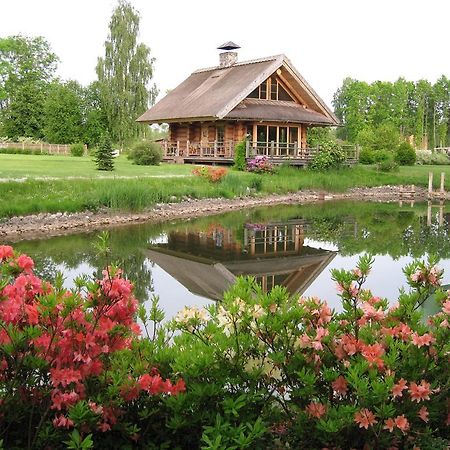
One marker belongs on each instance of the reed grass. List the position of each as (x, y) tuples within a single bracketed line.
[(136, 194)]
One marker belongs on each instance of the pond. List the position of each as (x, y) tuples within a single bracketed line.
[(193, 261)]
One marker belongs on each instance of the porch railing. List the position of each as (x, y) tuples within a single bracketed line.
[(225, 150)]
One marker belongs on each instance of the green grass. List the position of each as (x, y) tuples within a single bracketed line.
[(37, 166), (146, 186)]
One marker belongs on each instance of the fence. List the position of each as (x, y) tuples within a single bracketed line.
[(53, 149)]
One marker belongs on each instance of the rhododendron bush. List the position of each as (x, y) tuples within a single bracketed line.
[(66, 370), (256, 370)]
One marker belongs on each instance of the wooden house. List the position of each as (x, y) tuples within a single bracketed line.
[(263, 101)]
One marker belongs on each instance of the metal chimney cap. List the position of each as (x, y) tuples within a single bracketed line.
[(230, 45)]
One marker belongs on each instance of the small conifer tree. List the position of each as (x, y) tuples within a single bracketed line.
[(104, 158)]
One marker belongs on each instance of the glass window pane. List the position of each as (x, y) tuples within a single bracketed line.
[(261, 131), (282, 135), (272, 134), (283, 95), (220, 133), (293, 134), (273, 88), (254, 94), (263, 90)]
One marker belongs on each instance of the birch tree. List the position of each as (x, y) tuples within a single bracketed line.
[(124, 74)]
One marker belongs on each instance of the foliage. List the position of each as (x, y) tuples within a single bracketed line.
[(77, 149), (418, 110), (63, 113), (387, 165), (428, 157), (104, 159), (328, 157), (66, 372), (146, 153), (320, 136), (260, 164), (240, 162), (383, 138), (405, 155), (373, 376), (212, 174), (123, 75), (26, 67), (366, 156), (21, 151)]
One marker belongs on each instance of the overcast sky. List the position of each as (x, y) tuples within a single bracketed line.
[(326, 40)]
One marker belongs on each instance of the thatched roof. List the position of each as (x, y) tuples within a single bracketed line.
[(216, 93)]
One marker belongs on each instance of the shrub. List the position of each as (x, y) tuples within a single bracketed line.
[(304, 376), (366, 156), (65, 364), (104, 158), (382, 156), (146, 153), (388, 165), (328, 157), (77, 149), (405, 155), (260, 164), (385, 137), (240, 162), (212, 174), (428, 157)]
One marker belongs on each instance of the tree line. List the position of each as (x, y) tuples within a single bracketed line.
[(35, 103), (418, 112)]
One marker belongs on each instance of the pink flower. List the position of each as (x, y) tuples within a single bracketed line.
[(419, 392), (339, 385), (446, 307), (365, 418), (62, 422), (425, 339), (25, 263), (401, 422), (423, 413), (371, 313), (389, 424), (6, 252), (373, 354), (397, 389), (315, 409)]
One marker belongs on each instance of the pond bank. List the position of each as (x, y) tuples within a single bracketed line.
[(43, 225)]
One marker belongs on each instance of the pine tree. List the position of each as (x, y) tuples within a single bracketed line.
[(104, 158)]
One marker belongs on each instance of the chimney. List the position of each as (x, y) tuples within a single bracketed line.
[(227, 59)]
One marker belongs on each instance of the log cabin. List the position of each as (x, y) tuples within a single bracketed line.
[(265, 102)]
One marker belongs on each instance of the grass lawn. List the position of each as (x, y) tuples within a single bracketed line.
[(139, 187), (36, 166)]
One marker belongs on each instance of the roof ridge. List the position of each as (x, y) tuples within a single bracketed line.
[(242, 63)]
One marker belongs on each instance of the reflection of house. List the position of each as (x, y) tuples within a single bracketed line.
[(208, 262)]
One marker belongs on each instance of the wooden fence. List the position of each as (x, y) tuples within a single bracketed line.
[(53, 149)]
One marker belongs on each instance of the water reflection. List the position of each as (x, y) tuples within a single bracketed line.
[(208, 261), (192, 262)]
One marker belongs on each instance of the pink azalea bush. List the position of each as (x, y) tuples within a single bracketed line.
[(63, 360)]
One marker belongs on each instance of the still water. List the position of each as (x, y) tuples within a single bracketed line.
[(193, 261)]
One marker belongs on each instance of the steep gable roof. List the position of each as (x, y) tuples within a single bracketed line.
[(212, 93)]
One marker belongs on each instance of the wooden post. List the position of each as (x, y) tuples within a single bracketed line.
[(441, 212), (215, 149), (165, 149), (272, 148), (178, 148), (247, 149), (41, 147), (187, 147), (442, 190), (429, 214), (430, 184)]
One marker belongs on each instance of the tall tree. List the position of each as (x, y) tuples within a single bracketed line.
[(27, 66), (63, 113), (124, 74)]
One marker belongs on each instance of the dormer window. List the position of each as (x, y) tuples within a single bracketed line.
[(272, 89)]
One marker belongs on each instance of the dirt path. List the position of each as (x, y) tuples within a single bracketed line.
[(45, 225)]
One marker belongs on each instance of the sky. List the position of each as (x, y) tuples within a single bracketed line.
[(326, 40)]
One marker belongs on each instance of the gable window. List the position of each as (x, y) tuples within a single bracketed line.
[(271, 89)]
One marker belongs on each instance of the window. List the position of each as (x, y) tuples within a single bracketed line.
[(271, 89), (220, 133)]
